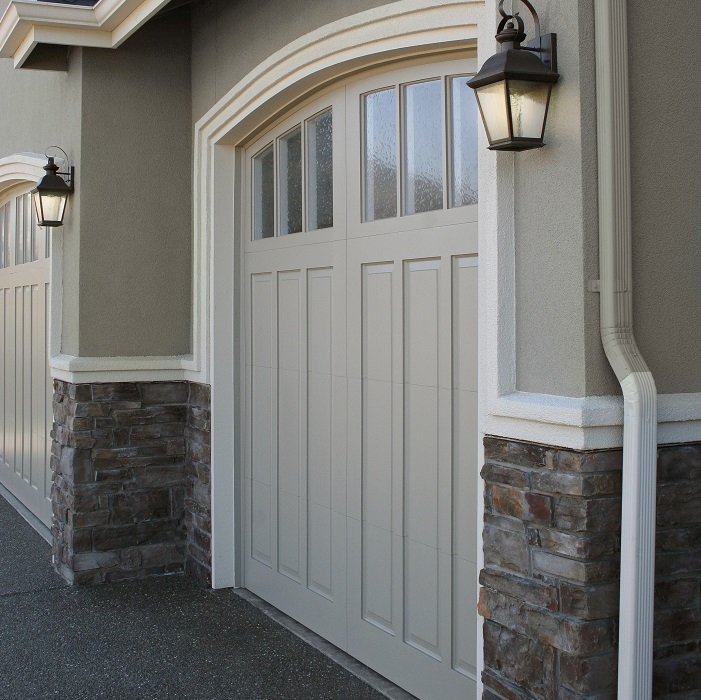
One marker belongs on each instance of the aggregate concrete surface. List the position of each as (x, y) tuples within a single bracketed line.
[(156, 639)]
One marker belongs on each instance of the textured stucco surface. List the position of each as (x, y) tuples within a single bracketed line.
[(666, 171), (136, 216), (556, 234), (39, 109), (231, 39)]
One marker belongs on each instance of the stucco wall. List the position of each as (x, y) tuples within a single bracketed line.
[(40, 109), (556, 237), (136, 258), (666, 171), (230, 39)]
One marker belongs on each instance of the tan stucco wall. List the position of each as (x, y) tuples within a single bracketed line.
[(136, 216), (666, 171), (556, 237), (231, 38), (39, 109)]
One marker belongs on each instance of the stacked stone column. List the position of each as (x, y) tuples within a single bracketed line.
[(552, 562), (121, 460)]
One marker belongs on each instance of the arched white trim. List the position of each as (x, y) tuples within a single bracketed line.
[(403, 29), (20, 168)]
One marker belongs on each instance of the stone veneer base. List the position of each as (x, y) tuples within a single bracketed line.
[(550, 587), (130, 493)]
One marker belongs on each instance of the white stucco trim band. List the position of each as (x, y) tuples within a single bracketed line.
[(26, 24), (589, 423), (89, 370)]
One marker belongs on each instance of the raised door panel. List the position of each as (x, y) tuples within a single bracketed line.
[(296, 448), (412, 575)]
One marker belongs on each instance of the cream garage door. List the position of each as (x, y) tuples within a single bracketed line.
[(25, 382), (361, 372)]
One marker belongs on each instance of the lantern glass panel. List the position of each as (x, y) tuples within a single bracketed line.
[(51, 207), (493, 105), (37, 206), (529, 102)]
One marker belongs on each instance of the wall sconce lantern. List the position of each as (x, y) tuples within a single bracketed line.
[(513, 87), (51, 193)]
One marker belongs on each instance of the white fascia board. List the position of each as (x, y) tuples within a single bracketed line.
[(26, 24)]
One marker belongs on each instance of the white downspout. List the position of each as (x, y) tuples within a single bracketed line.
[(637, 383)]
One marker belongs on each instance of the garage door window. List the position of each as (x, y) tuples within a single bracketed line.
[(4, 236), (293, 180), (435, 123)]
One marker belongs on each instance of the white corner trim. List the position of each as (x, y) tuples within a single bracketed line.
[(27, 23), (82, 370)]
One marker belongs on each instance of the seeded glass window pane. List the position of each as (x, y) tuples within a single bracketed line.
[(529, 101), (423, 147), (380, 155), (3, 234), (32, 251), (264, 194), (463, 146), (320, 160), (290, 182), (19, 232), (492, 100)]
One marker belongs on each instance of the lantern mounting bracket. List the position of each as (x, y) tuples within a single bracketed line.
[(543, 44), (70, 173)]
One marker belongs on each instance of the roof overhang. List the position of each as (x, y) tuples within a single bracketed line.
[(27, 23)]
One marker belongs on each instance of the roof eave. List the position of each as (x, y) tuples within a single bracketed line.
[(26, 24)]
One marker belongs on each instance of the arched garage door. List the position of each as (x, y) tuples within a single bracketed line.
[(361, 372), (25, 383)]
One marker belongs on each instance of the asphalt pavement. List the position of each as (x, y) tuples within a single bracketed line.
[(152, 639)]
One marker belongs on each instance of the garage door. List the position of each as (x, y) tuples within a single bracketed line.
[(25, 383), (361, 372)]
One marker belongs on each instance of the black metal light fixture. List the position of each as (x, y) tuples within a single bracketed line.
[(51, 193), (513, 87)]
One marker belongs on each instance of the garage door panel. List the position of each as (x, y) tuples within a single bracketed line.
[(25, 384), (296, 430), (377, 576), (290, 509), (464, 642)]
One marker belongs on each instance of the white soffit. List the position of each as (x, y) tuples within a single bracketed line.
[(26, 24)]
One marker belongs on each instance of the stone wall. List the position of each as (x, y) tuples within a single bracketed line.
[(123, 473), (550, 584), (198, 513)]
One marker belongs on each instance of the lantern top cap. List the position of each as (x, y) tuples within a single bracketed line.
[(513, 64), (52, 182)]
